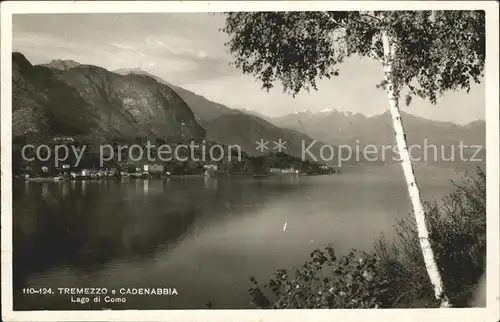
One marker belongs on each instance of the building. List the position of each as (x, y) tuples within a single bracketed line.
[(153, 168), (210, 169), (89, 173), (156, 168), (282, 172), (275, 171), (289, 171), (63, 139)]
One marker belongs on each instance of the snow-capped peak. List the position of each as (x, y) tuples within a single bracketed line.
[(299, 112), (326, 110)]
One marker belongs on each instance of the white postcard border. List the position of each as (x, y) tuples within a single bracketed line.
[(489, 314)]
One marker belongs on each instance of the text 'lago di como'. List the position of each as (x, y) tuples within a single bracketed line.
[(86, 295)]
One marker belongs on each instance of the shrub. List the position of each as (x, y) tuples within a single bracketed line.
[(324, 281), (457, 229), (394, 275)]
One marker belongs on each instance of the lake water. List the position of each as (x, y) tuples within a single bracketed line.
[(202, 236)]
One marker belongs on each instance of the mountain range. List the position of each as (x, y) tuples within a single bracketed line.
[(433, 140), (69, 98), (329, 126), (236, 127), (338, 128)]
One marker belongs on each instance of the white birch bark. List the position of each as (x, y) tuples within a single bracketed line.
[(413, 190)]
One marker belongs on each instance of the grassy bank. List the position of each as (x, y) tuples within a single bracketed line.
[(394, 274)]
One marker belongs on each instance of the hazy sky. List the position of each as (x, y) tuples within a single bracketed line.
[(188, 50)]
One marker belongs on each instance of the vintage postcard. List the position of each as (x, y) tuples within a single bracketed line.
[(250, 161)]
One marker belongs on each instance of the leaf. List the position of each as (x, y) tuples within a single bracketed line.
[(298, 48), (408, 99)]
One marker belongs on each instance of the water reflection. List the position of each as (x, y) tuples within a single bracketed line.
[(45, 190), (65, 188), (206, 234), (210, 183), (26, 188), (83, 186), (88, 228)]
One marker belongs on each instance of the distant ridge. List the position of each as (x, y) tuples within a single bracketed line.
[(62, 64), (355, 129)]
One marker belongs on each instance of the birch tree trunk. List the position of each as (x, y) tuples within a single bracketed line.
[(418, 208)]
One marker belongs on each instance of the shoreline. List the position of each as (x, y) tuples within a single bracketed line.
[(163, 177)]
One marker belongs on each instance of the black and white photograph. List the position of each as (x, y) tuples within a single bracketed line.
[(249, 157)]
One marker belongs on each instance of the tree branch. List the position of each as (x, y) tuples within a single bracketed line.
[(327, 14), (375, 55), (370, 16)]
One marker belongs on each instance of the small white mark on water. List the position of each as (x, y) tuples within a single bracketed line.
[(284, 227)]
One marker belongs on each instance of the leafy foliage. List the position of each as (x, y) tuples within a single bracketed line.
[(326, 282), (294, 47), (436, 50), (394, 274), (458, 237)]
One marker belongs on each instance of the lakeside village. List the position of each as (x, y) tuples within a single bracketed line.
[(152, 171), (91, 167)]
